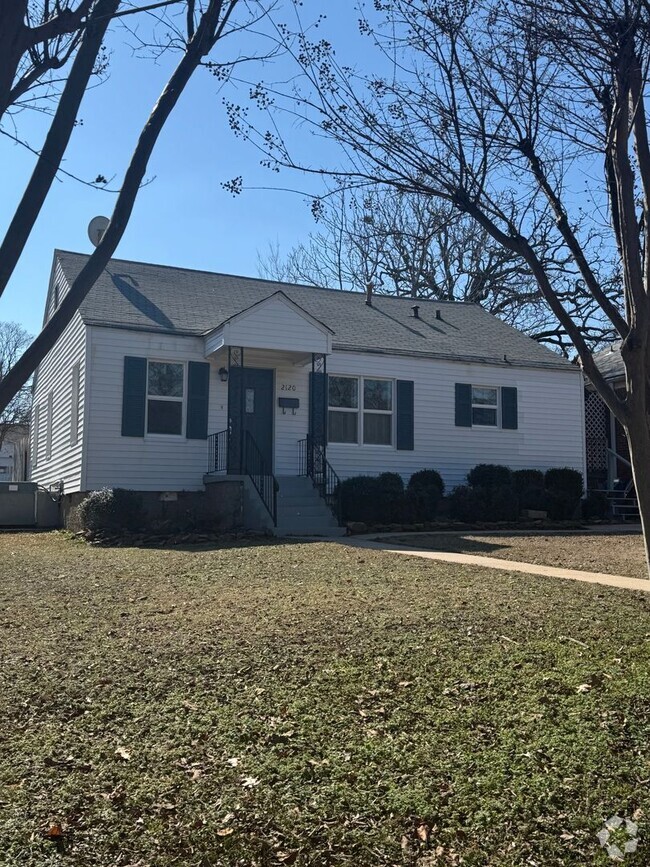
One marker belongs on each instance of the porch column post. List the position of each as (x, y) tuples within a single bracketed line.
[(235, 410), (318, 403)]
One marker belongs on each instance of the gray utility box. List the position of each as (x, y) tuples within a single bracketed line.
[(22, 504), (18, 503)]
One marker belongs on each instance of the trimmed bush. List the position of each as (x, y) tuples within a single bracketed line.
[(565, 480), (111, 510), (525, 480), (390, 506), (503, 504), (423, 494), (595, 505), (489, 476), (533, 498), (560, 505), (359, 496), (468, 505), (427, 479)]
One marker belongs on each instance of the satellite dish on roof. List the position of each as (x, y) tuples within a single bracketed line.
[(96, 229)]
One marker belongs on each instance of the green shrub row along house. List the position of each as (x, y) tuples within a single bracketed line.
[(249, 402)]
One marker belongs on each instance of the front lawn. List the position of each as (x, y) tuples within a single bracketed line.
[(612, 553), (312, 704)]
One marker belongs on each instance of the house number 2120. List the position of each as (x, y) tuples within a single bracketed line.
[(285, 387)]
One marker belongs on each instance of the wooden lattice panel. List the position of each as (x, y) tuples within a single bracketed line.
[(596, 425)]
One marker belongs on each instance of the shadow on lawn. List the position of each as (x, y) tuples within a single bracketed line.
[(456, 544), (198, 542)]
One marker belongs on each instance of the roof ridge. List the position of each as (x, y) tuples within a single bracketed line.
[(57, 251)]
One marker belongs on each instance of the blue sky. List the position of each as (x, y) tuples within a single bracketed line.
[(184, 217)]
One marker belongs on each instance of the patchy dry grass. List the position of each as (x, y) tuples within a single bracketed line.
[(312, 705), (614, 554)]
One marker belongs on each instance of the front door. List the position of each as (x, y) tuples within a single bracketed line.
[(250, 410)]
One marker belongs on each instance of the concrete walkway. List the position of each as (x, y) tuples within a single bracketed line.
[(621, 581)]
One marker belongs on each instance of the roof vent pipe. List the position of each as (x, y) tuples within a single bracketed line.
[(369, 294), (438, 314), (416, 311)]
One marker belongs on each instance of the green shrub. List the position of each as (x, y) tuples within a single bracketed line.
[(111, 509), (423, 494), (468, 505), (359, 499), (489, 476), (427, 479), (595, 505), (566, 480), (533, 498), (503, 504), (390, 506), (560, 505), (525, 480)]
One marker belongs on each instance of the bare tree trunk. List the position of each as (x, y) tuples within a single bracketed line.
[(208, 32), (638, 438), (12, 30), (56, 141)]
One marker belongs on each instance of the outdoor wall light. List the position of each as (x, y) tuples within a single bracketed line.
[(223, 374)]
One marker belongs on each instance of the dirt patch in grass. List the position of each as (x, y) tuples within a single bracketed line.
[(312, 705), (614, 554)]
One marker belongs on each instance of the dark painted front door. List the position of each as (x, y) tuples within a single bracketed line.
[(250, 409)]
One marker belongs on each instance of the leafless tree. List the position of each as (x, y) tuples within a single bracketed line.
[(382, 240), (530, 118), (193, 33), (13, 341)]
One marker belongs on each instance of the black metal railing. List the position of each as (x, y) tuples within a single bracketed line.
[(265, 482), (313, 464), (218, 452)]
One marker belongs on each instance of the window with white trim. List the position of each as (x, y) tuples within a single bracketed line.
[(165, 394), (360, 410), (485, 406), (343, 415)]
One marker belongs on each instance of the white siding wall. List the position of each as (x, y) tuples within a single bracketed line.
[(54, 389), (54, 377), (551, 419), (550, 429), (275, 325), (152, 462)]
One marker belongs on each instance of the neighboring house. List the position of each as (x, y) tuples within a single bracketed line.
[(168, 374), (14, 455), (608, 455)]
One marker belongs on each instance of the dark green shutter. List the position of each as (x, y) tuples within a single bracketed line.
[(463, 405), (405, 412), (198, 387), (235, 420), (134, 396), (318, 399), (509, 419)]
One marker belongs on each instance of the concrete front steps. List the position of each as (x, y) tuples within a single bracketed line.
[(302, 511)]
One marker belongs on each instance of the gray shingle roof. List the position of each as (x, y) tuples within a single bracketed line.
[(148, 297), (610, 363)]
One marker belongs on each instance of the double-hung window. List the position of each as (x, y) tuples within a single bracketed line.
[(343, 420), (165, 393), (360, 410), (485, 406), (378, 412)]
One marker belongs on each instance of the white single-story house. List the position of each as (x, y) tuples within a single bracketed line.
[(168, 379)]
